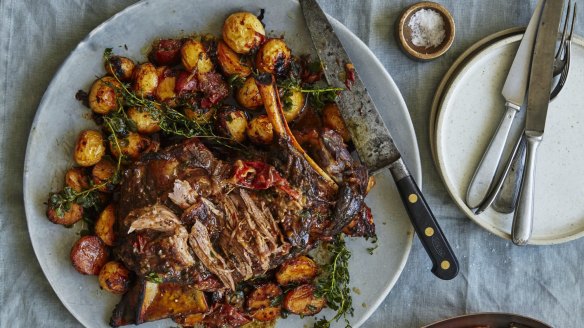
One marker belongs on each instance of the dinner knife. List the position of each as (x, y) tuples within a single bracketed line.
[(372, 139), (513, 91), (540, 84)]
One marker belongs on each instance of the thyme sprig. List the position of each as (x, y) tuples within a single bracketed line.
[(317, 95), (333, 284)]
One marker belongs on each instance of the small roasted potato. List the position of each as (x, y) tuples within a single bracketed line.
[(231, 62), (232, 123), (293, 102), (89, 148), (145, 80), (194, 56), (146, 121), (264, 302), (114, 277), (243, 31), (248, 94), (273, 57), (104, 226), (166, 89), (298, 270), (131, 146), (120, 67), (102, 173), (331, 118), (89, 254), (104, 94), (260, 130), (200, 115), (68, 217), (301, 300), (76, 179)]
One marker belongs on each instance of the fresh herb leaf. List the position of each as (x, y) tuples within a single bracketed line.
[(153, 277)]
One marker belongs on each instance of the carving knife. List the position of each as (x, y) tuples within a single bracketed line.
[(540, 84), (372, 139), (514, 91)]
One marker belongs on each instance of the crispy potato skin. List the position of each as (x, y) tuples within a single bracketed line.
[(332, 119), (260, 130), (248, 95), (89, 148), (103, 96), (102, 172), (76, 179), (297, 270), (242, 32), (230, 61), (145, 78), (114, 278), (132, 146), (260, 302), (73, 215), (145, 123), (166, 89), (104, 226), (233, 123), (293, 103), (273, 57), (302, 301), (89, 254), (120, 67), (195, 57), (200, 115)]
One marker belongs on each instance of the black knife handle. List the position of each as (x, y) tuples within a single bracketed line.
[(444, 262)]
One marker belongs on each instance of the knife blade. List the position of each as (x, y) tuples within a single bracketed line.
[(513, 91), (372, 139), (540, 84)]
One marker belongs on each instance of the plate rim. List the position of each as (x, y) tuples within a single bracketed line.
[(531, 320), (439, 161), (415, 165)]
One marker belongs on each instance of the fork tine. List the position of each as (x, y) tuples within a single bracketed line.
[(560, 51)]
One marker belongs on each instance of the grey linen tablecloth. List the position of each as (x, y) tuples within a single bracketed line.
[(541, 282)]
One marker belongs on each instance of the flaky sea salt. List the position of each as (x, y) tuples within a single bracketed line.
[(427, 28)]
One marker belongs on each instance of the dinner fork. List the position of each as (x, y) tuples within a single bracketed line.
[(504, 195)]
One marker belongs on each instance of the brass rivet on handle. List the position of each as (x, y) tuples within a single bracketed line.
[(412, 198), (429, 232), (445, 265)]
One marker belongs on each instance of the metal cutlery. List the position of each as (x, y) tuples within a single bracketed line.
[(372, 139), (540, 83), (514, 92), (503, 196)]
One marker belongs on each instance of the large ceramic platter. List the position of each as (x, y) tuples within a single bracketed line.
[(467, 117), (60, 118)]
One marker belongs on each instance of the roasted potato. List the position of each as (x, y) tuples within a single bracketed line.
[(114, 277), (248, 94), (273, 57), (200, 115), (194, 56), (120, 67), (232, 123), (165, 52), (293, 102), (297, 270), (166, 89), (89, 148), (102, 173), (231, 62), (243, 31), (301, 300), (89, 254), (69, 217), (147, 122), (260, 130), (145, 80), (264, 302), (76, 179), (331, 118), (132, 146), (104, 94), (104, 226)]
